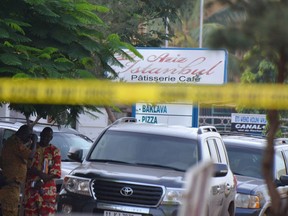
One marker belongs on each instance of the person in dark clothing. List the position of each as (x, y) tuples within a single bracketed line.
[(16, 153)]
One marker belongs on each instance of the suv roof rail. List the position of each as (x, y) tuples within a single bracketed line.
[(205, 129), (17, 120), (279, 141), (236, 133), (9, 119), (124, 120)]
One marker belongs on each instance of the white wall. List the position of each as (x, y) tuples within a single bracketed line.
[(87, 125), (91, 126)]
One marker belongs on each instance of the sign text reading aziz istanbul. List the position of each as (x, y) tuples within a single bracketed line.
[(172, 67)]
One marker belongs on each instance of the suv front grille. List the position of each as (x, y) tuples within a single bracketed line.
[(146, 195)]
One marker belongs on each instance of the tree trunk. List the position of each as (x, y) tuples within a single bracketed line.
[(110, 114), (278, 208), (268, 161)]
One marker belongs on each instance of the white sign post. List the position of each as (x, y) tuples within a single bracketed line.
[(171, 114)]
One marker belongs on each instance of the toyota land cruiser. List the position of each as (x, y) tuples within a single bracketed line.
[(138, 169)]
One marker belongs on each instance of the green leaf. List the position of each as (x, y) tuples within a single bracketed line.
[(21, 75), (62, 60), (10, 59), (44, 56), (15, 26), (50, 50), (8, 44), (4, 33), (84, 74)]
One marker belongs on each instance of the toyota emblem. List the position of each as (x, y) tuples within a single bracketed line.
[(126, 191)]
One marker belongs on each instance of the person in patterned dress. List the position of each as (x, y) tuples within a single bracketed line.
[(40, 189)]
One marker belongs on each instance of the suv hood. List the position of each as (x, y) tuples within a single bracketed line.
[(249, 185), (147, 174), (67, 167)]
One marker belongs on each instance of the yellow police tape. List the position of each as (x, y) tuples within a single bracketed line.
[(94, 92)]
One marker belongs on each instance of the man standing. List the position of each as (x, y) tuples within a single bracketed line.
[(40, 190), (16, 152)]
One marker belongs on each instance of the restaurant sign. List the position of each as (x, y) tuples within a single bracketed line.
[(174, 65)]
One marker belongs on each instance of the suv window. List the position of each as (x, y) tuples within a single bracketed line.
[(65, 141), (220, 146), (213, 150), (6, 134), (146, 149), (245, 161), (279, 165)]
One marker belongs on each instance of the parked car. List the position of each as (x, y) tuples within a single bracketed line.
[(246, 155), (138, 169), (64, 138)]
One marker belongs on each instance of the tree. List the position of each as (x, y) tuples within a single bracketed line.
[(264, 30), (141, 23), (69, 39), (55, 39)]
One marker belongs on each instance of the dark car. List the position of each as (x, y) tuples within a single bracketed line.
[(64, 138), (138, 169), (246, 155)]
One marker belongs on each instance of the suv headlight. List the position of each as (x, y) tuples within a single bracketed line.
[(173, 196), (77, 185), (247, 201)]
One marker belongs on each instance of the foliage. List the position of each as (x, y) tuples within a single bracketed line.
[(55, 39), (262, 33), (263, 37), (140, 22)]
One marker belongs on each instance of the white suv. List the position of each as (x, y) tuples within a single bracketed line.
[(138, 169)]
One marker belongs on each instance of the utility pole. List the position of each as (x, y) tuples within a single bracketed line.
[(166, 30), (201, 23)]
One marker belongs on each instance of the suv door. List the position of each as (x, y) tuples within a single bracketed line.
[(281, 170)]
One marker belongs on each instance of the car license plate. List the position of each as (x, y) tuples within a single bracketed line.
[(112, 213)]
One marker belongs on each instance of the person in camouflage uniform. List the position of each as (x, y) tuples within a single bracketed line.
[(16, 152)]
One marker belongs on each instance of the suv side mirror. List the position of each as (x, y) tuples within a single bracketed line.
[(282, 181), (75, 154), (220, 170)]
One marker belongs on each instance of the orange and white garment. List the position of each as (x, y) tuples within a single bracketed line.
[(43, 201)]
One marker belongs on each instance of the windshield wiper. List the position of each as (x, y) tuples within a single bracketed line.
[(67, 160), (110, 161), (235, 173), (160, 166)]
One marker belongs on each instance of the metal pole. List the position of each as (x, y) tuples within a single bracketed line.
[(166, 31), (201, 23)]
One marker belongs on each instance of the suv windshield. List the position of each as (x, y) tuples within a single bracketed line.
[(146, 149), (245, 161)]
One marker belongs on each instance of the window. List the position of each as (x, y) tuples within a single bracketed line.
[(149, 149), (214, 153), (223, 154), (6, 134), (280, 167), (245, 161)]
